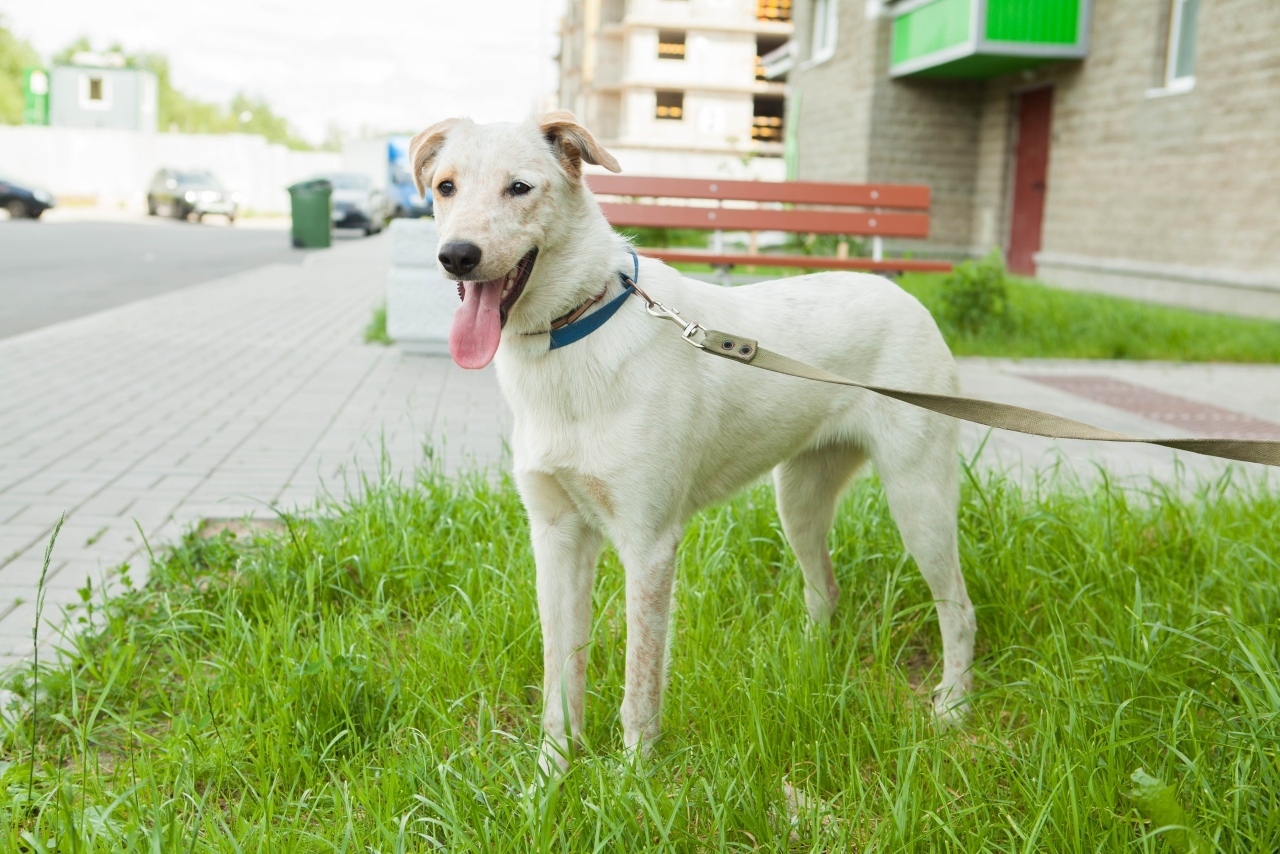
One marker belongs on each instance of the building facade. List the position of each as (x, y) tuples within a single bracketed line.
[(677, 87), (84, 96), (1127, 146)]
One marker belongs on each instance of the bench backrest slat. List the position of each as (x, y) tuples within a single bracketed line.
[(739, 219), (905, 196)]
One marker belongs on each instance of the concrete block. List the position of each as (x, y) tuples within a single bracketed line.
[(420, 308), (413, 243)]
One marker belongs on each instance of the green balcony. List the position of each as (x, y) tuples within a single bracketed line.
[(975, 39)]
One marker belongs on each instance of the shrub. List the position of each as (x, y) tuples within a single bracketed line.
[(667, 237), (975, 295), (824, 244)]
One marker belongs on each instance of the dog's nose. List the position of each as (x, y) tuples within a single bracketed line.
[(459, 257)]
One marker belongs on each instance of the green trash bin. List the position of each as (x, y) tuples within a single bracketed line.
[(312, 221)]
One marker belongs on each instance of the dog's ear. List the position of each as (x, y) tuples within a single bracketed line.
[(424, 149), (572, 143)]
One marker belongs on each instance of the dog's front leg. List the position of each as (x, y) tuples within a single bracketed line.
[(650, 568), (565, 550)]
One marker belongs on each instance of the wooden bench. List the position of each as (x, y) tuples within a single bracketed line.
[(882, 210)]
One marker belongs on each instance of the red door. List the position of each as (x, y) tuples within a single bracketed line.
[(1030, 171)]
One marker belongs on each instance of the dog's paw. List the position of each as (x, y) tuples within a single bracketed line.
[(631, 762), (950, 706), (553, 761)]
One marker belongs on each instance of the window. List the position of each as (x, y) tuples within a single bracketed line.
[(766, 45), (670, 45), (95, 92), (825, 16), (670, 106), (773, 10), (1180, 67), (766, 121)]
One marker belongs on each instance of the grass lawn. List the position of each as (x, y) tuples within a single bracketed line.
[(1048, 323), (364, 681)]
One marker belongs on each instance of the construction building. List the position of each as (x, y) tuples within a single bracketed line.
[(678, 87)]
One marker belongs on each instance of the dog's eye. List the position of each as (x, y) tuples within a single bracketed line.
[(445, 188), (519, 188)]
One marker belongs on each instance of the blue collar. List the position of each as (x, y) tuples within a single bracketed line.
[(584, 326)]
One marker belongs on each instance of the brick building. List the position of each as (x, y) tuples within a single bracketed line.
[(1130, 146), (676, 87)]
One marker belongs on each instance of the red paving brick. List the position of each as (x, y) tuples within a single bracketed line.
[(1195, 419)]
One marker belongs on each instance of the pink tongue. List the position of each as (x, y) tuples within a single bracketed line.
[(477, 325)]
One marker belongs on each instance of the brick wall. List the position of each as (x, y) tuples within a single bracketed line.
[(1184, 180), (858, 125), (926, 132), (835, 97)]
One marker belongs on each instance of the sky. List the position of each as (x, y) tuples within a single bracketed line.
[(364, 66)]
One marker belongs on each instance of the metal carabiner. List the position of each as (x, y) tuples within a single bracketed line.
[(662, 312), (657, 309)]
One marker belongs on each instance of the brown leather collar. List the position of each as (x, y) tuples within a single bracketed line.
[(566, 319)]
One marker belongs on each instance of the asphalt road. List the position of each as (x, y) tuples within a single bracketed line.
[(53, 271)]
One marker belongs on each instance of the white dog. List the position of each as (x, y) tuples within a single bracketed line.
[(629, 431)]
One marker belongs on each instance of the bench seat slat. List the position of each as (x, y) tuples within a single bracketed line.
[(796, 221), (808, 262), (911, 197)]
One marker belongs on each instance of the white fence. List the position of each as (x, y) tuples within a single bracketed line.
[(113, 168)]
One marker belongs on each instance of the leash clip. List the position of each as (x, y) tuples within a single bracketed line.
[(657, 309)]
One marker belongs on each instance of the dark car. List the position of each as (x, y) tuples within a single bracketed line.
[(180, 194), (357, 203), (23, 200)]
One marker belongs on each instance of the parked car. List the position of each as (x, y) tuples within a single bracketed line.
[(385, 159), (408, 202), (357, 203), (180, 194), (23, 200)]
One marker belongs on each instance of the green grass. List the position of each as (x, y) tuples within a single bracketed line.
[(364, 681), (1048, 323), (376, 331)]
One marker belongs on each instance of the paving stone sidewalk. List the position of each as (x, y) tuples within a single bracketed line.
[(257, 391), (216, 401)]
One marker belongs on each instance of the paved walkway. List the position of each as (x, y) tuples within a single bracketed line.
[(215, 401), (256, 390)]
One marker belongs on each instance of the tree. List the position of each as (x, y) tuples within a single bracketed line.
[(252, 114), (15, 55), (176, 112), (63, 57)]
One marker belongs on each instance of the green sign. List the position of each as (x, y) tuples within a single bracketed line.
[(35, 86)]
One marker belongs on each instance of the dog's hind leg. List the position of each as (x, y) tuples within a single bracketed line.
[(808, 486), (565, 549), (924, 497)]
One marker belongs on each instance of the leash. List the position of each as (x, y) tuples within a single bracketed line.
[(737, 348)]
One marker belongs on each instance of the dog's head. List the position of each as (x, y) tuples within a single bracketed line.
[(502, 193)]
